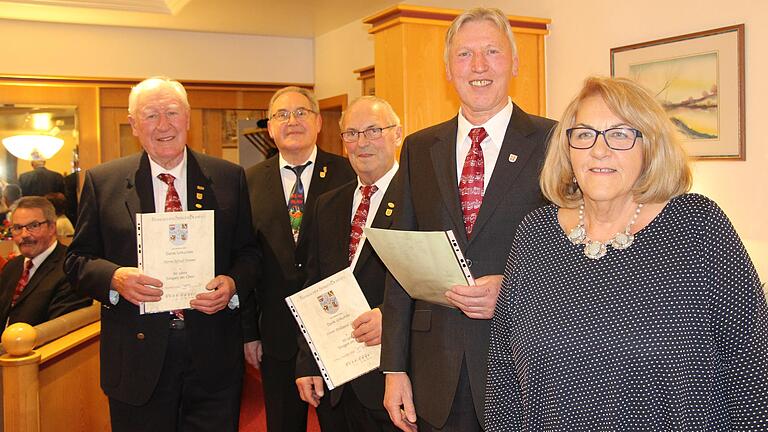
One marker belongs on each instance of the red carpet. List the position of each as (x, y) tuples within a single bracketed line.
[(252, 415)]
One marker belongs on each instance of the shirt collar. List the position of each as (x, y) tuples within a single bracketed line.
[(311, 158), (36, 261), (496, 126), (176, 171)]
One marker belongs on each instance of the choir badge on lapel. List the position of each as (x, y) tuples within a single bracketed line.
[(390, 209), (324, 171), (512, 158)]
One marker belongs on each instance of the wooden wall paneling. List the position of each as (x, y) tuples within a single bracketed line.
[(213, 131), (329, 138)]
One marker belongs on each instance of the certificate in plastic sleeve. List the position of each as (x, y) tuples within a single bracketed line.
[(425, 263), (324, 312), (177, 248)]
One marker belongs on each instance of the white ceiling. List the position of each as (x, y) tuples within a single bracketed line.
[(290, 18)]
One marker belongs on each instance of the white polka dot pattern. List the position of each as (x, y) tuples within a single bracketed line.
[(670, 334)]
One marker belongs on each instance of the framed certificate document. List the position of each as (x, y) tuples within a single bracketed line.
[(324, 312), (177, 248)]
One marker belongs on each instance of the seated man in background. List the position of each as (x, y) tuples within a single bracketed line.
[(33, 287)]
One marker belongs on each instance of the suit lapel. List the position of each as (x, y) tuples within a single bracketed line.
[(382, 219), (200, 195), (339, 226), (505, 173), (139, 194), (322, 172), (444, 162), (272, 202), (45, 267)]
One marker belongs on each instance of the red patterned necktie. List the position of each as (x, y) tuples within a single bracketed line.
[(472, 178), (23, 281), (172, 201), (361, 216), (172, 204)]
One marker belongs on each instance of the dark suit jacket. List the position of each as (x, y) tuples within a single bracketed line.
[(329, 254), (41, 181), (430, 341), (133, 346), (284, 264), (48, 294)]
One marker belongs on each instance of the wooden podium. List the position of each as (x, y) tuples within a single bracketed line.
[(410, 71)]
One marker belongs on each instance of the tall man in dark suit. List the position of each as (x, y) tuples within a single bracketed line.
[(40, 180), (33, 287), (283, 191), (164, 371), (371, 133), (477, 175)]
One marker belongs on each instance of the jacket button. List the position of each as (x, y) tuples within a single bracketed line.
[(299, 265), (140, 336)]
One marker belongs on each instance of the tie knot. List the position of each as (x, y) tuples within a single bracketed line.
[(166, 178), (477, 135), (29, 264), (368, 191), (298, 169)]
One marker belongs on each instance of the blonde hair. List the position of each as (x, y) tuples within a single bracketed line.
[(495, 16), (154, 82), (665, 172)]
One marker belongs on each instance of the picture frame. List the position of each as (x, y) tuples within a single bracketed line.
[(699, 80)]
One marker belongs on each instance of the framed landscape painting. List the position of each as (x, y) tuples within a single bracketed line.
[(699, 80)]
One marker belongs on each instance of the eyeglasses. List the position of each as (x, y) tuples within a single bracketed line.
[(352, 135), (32, 227), (619, 138), (284, 115)]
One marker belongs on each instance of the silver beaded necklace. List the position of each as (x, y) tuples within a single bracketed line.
[(596, 249)]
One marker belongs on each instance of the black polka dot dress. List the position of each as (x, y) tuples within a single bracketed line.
[(670, 334)]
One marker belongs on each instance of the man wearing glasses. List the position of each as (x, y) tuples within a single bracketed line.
[(283, 190), (33, 287), (371, 133)]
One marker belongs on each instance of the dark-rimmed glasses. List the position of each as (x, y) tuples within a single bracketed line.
[(284, 115), (352, 135), (618, 138), (32, 227)]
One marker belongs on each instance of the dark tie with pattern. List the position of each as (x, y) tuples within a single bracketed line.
[(296, 200), (361, 216), (22, 283), (172, 204), (472, 178)]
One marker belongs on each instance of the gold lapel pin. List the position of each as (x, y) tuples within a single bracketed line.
[(199, 196), (388, 212), (200, 187), (198, 205), (391, 204), (324, 171), (512, 158)]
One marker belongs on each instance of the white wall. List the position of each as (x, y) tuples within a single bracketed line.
[(338, 53), (33, 48), (581, 36)]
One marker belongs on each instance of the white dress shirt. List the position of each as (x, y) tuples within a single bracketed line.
[(496, 127), (159, 187), (36, 261), (289, 177)]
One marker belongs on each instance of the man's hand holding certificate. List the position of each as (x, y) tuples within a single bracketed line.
[(342, 331), (176, 264)]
